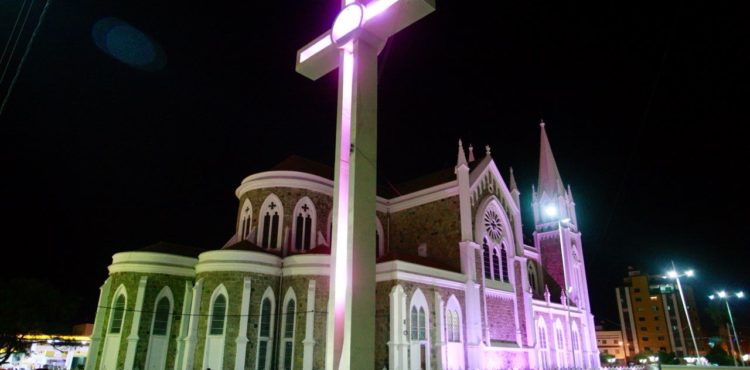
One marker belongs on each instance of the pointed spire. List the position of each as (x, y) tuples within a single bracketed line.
[(461, 155), (471, 153), (513, 185), (570, 194), (549, 176)]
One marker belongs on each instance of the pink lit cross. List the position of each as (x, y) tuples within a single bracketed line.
[(352, 44)]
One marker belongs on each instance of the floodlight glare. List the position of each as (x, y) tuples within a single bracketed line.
[(740, 294), (349, 20), (550, 211), (711, 297), (722, 294), (689, 273), (672, 274)]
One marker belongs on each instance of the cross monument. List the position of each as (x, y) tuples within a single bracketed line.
[(352, 44)]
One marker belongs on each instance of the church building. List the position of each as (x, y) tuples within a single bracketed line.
[(456, 285)]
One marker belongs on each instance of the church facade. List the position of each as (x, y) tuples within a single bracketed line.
[(456, 285)]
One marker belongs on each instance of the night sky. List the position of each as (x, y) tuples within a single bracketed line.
[(133, 122)]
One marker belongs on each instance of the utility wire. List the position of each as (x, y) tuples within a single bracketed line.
[(25, 54), (15, 43), (12, 32)]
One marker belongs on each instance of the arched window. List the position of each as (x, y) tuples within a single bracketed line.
[(577, 346), (560, 344), (161, 317), (246, 220), (487, 257), (264, 331), (218, 315), (531, 267), (118, 311), (456, 327), (495, 265), (304, 225), (542, 344), (504, 262), (270, 222), (449, 325), (287, 339), (158, 344)]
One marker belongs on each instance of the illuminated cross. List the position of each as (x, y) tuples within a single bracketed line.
[(352, 44)]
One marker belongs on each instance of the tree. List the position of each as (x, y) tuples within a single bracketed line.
[(30, 306), (719, 356)]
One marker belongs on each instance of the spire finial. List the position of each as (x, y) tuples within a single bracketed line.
[(541, 123), (471, 153), (487, 150), (461, 155), (513, 185)]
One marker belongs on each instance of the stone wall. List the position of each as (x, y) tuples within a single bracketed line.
[(233, 282), (438, 224), (501, 318), (289, 198), (382, 314), (154, 285)]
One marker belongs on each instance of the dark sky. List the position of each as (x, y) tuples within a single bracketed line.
[(645, 109)]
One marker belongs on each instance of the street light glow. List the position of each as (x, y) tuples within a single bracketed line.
[(740, 294), (722, 294), (689, 273), (550, 211), (672, 274), (711, 297)]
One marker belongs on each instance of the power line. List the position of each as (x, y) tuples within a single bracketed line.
[(25, 54)]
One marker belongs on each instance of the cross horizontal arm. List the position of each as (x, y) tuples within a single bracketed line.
[(382, 19), (318, 57)]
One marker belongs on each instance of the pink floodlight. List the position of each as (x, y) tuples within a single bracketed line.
[(349, 20)]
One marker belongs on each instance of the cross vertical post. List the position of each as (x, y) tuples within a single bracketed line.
[(353, 44)]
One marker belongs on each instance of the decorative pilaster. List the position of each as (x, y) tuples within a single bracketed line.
[(192, 336), (99, 325), (133, 337), (239, 361), (309, 341), (184, 322), (398, 343), (473, 298), (440, 345)]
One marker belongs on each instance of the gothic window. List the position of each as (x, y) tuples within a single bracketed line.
[(449, 325), (271, 222), (304, 225), (487, 264), (264, 332), (495, 265), (531, 267), (559, 345), (118, 311), (418, 323), (287, 341), (504, 262), (543, 344), (246, 220), (493, 225), (456, 327), (218, 315), (161, 317)]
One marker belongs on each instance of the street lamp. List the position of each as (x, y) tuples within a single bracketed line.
[(723, 295), (673, 274), (551, 210)]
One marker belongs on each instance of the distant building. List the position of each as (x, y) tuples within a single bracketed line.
[(53, 352), (652, 317), (610, 342)]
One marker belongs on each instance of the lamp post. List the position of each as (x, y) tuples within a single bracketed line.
[(568, 289), (723, 295), (674, 275)]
